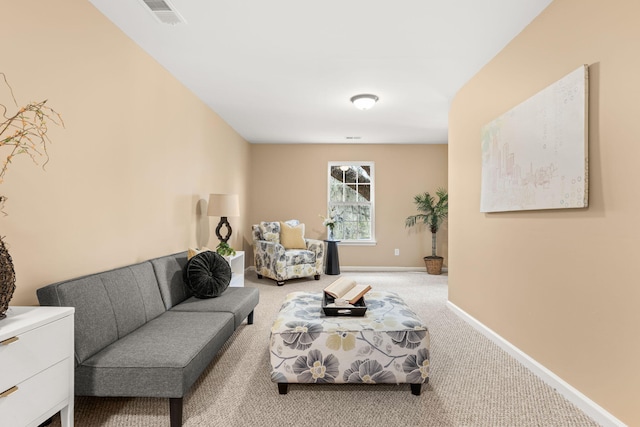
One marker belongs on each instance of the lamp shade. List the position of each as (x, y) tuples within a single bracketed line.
[(223, 205)]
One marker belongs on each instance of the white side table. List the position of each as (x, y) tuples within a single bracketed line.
[(237, 269), (37, 362)]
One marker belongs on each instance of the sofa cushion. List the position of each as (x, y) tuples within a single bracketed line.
[(168, 270), (108, 305), (92, 310), (163, 358), (147, 284), (292, 237), (125, 299), (237, 301), (207, 274)]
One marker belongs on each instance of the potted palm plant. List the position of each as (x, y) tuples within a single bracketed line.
[(433, 214)]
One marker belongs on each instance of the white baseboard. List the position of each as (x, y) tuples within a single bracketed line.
[(383, 268), (588, 406), (378, 268)]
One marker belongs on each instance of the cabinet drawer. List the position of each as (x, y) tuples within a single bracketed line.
[(36, 350), (36, 396)]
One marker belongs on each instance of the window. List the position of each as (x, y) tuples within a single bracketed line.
[(351, 197)]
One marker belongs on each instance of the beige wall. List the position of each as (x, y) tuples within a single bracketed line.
[(560, 285), (129, 176), (290, 181), (130, 173)]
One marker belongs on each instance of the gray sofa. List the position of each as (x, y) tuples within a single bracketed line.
[(140, 333)]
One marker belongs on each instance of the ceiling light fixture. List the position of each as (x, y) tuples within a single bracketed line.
[(364, 101)]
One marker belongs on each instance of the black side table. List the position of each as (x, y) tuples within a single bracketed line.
[(332, 266)]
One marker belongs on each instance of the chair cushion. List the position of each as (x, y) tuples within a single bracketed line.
[(207, 274), (297, 257), (292, 237), (270, 231)]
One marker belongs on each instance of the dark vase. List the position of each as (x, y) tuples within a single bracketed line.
[(7, 279)]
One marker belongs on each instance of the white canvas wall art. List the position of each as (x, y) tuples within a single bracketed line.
[(535, 156)]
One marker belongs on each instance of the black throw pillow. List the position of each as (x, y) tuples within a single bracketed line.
[(207, 274)]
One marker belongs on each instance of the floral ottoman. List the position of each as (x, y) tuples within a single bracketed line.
[(388, 345)]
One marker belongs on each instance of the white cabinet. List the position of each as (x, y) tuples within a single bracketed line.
[(237, 269), (36, 360)]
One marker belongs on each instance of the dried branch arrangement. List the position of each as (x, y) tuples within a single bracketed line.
[(25, 132)]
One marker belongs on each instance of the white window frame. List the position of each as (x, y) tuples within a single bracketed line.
[(371, 203)]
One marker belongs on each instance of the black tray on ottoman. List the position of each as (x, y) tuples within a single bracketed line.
[(359, 309)]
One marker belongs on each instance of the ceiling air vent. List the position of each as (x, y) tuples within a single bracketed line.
[(164, 12)]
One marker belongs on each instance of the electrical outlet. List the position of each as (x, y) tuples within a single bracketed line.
[(396, 252)]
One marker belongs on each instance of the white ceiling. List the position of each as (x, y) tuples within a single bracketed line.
[(282, 71)]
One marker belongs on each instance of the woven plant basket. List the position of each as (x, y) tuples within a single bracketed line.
[(434, 264), (7, 279)]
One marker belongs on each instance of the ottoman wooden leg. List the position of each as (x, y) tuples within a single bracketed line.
[(283, 388), (416, 389)]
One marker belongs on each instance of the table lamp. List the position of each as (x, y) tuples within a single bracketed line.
[(223, 205)]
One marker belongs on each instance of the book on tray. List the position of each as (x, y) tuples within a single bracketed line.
[(347, 289)]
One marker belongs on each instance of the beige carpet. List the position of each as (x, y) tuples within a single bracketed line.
[(473, 382)]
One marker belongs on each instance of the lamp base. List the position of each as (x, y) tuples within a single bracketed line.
[(223, 222)]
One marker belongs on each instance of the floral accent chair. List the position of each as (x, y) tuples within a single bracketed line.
[(279, 256)]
